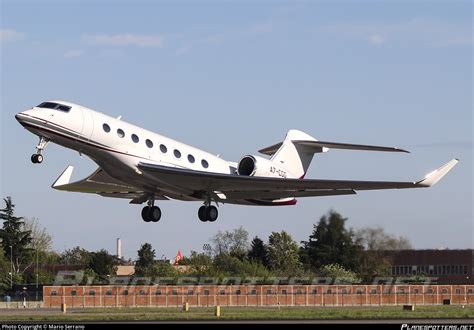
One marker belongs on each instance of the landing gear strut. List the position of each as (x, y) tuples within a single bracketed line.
[(37, 158), (151, 212)]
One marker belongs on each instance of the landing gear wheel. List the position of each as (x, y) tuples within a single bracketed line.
[(36, 158), (145, 212), (154, 213), (151, 213), (202, 213), (211, 213)]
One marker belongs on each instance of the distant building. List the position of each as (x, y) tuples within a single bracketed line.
[(443, 266), (125, 270)]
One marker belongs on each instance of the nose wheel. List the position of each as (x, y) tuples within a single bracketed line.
[(208, 213), (37, 158)]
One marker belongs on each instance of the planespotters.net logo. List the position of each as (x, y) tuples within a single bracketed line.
[(437, 327)]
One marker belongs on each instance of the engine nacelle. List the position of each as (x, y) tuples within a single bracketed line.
[(258, 166)]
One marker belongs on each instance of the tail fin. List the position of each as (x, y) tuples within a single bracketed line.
[(294, 157), (297, 150)]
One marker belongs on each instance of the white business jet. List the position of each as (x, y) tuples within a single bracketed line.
[(143, 166)]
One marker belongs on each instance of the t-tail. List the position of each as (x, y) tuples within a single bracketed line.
[(296, 152)]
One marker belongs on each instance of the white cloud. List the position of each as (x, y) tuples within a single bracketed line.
[(376, 39), (73, 53), (9, 35), (422, 32), (126, 39), (209, 40)]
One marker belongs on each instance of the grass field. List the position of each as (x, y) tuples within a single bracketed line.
[(239, 313)]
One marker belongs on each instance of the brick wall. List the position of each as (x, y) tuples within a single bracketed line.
[(255, 295)]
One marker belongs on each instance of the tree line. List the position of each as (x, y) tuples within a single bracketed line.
[(332, 250)]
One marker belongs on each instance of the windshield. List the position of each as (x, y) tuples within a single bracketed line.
[(56, 106)]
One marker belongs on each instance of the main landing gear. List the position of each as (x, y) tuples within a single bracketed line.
[(37, 158), (151, 212), (208, 213)]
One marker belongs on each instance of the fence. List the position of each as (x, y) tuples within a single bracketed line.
[(256, 295)]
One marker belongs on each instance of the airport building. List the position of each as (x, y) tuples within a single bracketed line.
[(441, 266)]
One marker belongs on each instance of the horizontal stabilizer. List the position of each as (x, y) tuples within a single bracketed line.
[(318, 146), (347, 146), (433, 177)]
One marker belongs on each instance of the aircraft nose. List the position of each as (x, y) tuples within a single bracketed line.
[(20, 117), (24, 117)]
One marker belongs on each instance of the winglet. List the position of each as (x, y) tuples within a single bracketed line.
[(433, 177), (64, 178)]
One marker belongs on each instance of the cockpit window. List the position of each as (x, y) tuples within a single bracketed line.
[(55, 106), (63, 108)]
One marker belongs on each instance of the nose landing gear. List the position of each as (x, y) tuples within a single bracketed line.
[(37, 158)]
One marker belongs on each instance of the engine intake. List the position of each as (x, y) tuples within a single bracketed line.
[(257, 166), (247, 166)]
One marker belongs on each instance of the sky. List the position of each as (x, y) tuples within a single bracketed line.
[(232, 77)]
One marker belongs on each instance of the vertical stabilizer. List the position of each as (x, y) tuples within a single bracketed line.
[(294, 157)]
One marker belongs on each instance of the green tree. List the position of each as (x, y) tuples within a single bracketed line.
[(41, 240), (283, 254), (200, 264), (44, 277), (103, 263), (227, 264), (258, 252), (162, 269), (374, 260), (15, 239), (339, 274), (145, 261), (234, 243), (252, 268), (4, 270), (40, 246), (332, 243), (76, 256)]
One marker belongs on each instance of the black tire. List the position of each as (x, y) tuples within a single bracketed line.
[(39, 158), (212, 213), (154, 213), (34, 159), (202, 213), (145, 214)]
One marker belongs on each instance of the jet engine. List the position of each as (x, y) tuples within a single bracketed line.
[(258, 166)]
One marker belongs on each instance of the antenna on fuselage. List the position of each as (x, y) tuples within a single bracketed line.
[(119, 117)]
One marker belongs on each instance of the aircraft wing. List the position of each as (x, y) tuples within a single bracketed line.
[(102, 184), (263, 187)]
